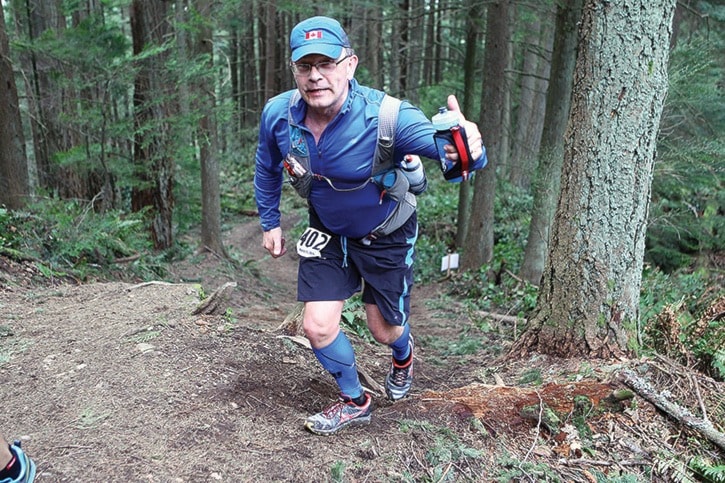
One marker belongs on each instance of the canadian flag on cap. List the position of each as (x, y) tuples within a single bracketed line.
[(313, 35)]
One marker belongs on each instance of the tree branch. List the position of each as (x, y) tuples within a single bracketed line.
[(683, 415)]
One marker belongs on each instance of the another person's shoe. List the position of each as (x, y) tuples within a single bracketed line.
[(339, 415), (400, 378), (27, 466)]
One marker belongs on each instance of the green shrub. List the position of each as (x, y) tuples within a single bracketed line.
[(354, 320), (67, 236), (688, 191)]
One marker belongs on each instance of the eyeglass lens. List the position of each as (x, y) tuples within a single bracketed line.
[(324, 67)]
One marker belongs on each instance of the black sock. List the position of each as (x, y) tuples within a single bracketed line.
[(405, 361), (12, 470), (360, 400)]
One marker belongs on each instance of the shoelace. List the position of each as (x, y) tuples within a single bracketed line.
[(333, 409), (336, 408), (400, 374)]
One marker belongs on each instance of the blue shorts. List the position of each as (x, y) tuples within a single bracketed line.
[(334, 268)]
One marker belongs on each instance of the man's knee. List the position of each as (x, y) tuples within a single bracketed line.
[(321, 322)]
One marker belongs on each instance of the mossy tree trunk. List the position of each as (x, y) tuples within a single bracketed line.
[(14, 182), (589, 299)]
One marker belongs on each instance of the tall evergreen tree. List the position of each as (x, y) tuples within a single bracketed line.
[(548, 172), (207, 136), (154, 107), (474, 17), (14, 183), (478, 248), (589, 299)]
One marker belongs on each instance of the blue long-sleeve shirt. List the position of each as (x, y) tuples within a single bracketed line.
[(344, 154)]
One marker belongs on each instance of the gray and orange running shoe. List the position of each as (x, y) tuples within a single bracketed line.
[(341, 414), (400, 378)]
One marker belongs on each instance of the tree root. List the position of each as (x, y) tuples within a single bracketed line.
[(216, 303)]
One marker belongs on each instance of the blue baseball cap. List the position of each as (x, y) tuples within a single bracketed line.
[(318, 35)]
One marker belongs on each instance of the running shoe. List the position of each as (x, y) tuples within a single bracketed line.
[(344, 412), (27, 466), (400, 378)]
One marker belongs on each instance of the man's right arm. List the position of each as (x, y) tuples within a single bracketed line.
[(268, 173), (268, 168)]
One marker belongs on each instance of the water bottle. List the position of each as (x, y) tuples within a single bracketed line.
[(413, 170), (449, 131)]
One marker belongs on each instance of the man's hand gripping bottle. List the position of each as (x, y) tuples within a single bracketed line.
[(449, 131)]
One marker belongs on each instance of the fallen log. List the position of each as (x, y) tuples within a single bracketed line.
[(509, 408), (683, 415)]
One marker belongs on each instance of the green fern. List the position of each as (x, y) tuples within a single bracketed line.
[(145, 336), (718, 362), (354, 320), (715, 473), (707, 471), (671, 469)]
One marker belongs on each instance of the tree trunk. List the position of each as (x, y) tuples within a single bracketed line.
[(473, 35), (438, 50), (249, 65), (234, 78), (535, 126), (47, 98), (589, 300), (403, 47), (374, 45), (415, 51), (429, 59), (521, 150), (14, 180), (97, 179), (478, 248), (211, 231), (504, 144), (153, 153), (396, 62), (270, 56), (548, 173)]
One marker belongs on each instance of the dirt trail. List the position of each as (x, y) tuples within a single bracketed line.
[(119, 382)]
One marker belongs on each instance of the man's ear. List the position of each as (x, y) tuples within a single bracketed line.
[(352, 66)]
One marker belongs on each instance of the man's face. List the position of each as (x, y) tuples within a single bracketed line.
[(326, 90)]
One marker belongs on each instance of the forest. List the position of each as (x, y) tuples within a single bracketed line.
[(129, 130)]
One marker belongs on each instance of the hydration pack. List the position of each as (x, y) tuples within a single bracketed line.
[(389, 178), (392, 184)]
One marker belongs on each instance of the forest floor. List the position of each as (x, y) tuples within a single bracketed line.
[(121, 382)]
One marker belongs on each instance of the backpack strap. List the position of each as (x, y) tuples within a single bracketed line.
[(297, 161), (297, 139), (387, 122)]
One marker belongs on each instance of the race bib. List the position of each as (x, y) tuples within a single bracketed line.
[(312, 242)]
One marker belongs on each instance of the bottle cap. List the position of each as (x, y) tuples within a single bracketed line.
[(445, 119)]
